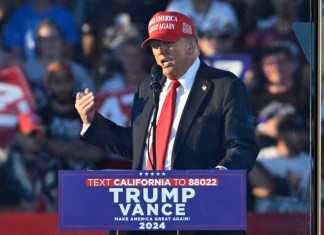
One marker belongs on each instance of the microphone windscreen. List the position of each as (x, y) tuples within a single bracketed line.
[(156, 72)]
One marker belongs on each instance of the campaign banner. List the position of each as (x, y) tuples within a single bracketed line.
[(239, 64), (116, 105), (15, 97), (152, 200)]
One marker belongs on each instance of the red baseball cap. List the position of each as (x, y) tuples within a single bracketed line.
[(169, 26)]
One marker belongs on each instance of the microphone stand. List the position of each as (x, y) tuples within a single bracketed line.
[(156, 87)]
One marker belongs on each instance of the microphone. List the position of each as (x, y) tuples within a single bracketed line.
[(156, 76)]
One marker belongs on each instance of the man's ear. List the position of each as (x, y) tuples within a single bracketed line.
[(190, 48)]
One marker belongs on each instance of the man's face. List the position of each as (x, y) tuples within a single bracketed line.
[(50, 44), (61, 89), (132, 58), (208, 45), (173, 57), (211, 44), (277, 68)]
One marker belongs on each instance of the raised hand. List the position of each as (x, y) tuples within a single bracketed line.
[(85, 105)]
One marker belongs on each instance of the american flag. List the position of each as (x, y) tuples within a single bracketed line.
[(186, 28)]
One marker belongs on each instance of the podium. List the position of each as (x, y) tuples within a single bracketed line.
[(127, 202)]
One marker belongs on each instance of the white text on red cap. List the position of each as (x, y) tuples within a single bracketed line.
[(163, 18), (161, 26)]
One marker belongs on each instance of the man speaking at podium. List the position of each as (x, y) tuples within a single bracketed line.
[(203, 119)]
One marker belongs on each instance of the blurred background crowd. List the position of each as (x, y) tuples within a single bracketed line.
[(62, 47)]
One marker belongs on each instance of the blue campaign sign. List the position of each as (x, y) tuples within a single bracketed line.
[(239, 64), (152, 200)]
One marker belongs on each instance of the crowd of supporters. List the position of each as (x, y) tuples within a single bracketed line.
[(62, 47)]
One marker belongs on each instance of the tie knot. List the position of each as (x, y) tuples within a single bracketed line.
[(175, 83)]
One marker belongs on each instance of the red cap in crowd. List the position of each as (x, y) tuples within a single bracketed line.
[(29, 122), (169, 26)]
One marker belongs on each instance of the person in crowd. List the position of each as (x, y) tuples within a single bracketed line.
[(280, 178), (63, 122), (267, 121), (133, 66), (208, 15), (280, 29), (89, 51), (279, 81), (30, 172), (50, 47), (213, 42), (105, 46), (121, 29), (20, 31), (102, 15), (216, 128)]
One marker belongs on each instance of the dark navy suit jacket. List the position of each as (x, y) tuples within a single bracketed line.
[(216, 126)]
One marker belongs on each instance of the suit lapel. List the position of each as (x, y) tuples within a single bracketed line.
[(139, 141), (199, 90)]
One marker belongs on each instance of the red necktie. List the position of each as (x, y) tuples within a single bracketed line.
[(164, 126)]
